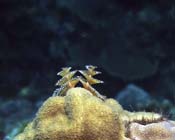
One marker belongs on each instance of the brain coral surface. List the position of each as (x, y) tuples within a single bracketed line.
[(76, 116)]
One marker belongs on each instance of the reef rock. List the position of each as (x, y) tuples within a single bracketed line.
[(133, 96)]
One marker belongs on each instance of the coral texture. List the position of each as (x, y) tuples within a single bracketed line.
[(164, 130), (81, 116), (77, 116)]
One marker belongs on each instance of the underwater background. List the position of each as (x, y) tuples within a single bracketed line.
[(132, 42)]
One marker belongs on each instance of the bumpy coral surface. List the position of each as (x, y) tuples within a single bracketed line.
[(81, 116), (164, 130), (77, 116)]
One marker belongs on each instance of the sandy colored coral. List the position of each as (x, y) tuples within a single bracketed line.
[(77, 116), (164, 130), (81, 116)]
